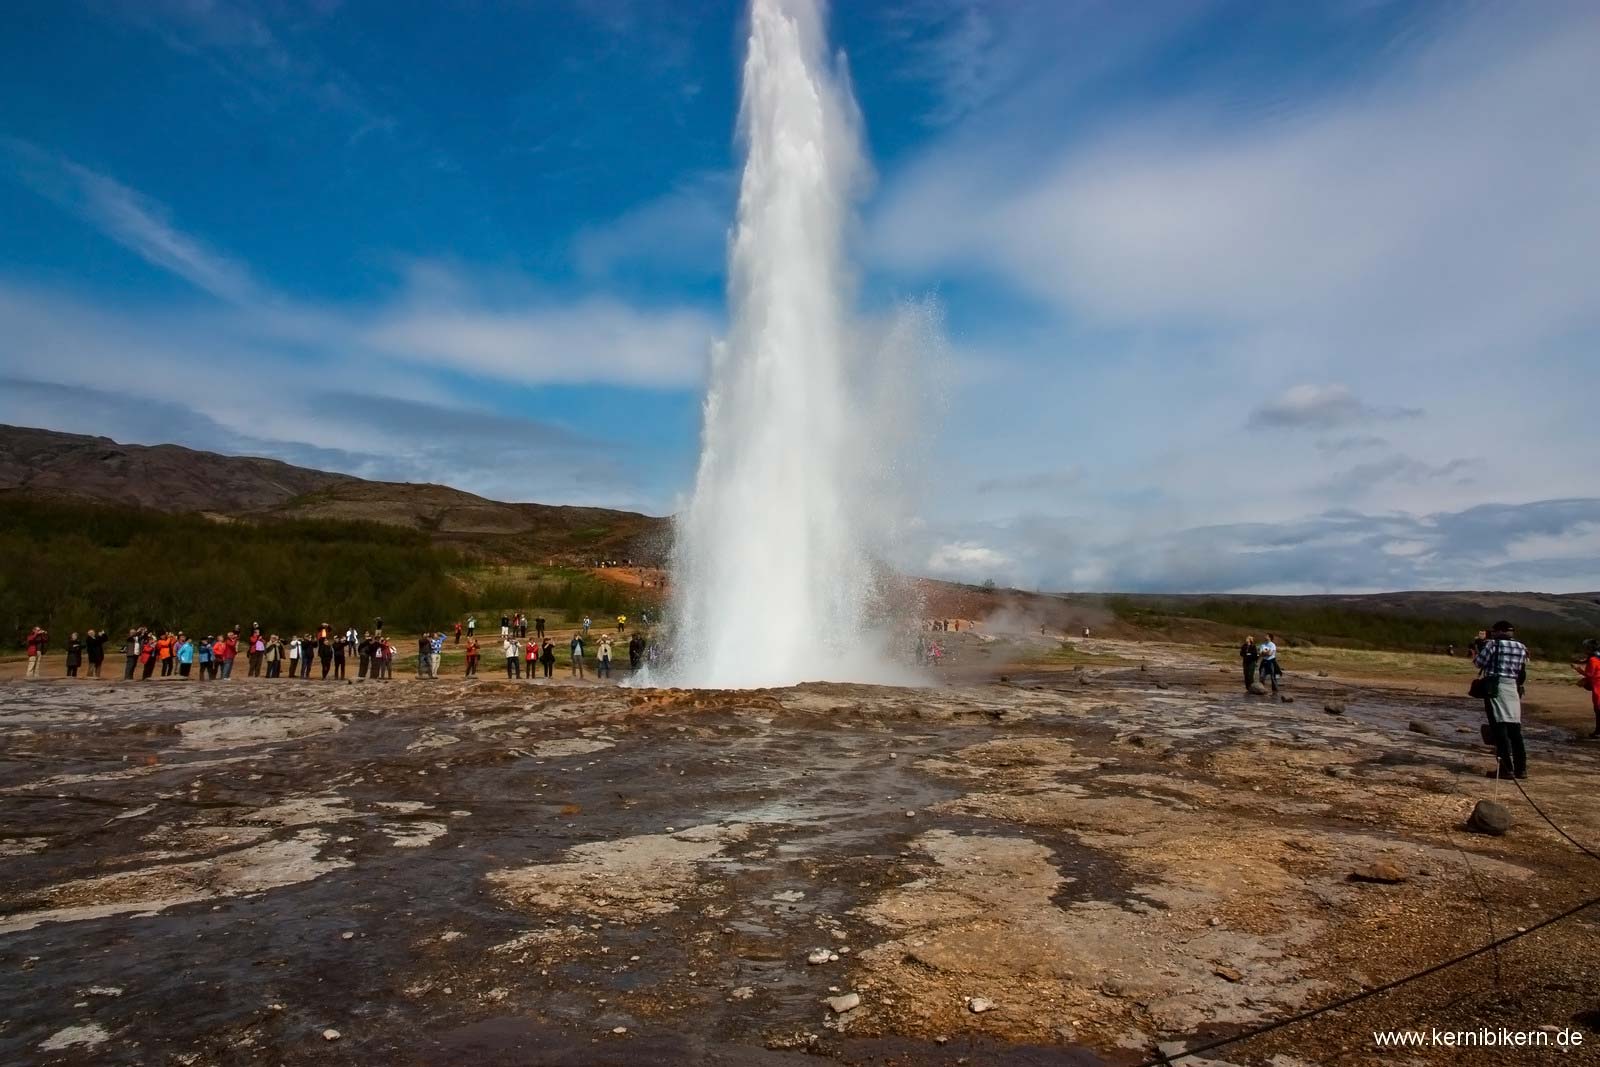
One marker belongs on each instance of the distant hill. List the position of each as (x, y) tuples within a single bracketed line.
[(170, 478)]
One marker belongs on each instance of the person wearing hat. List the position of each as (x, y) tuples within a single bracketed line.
[(1503, 666), (1590, 670)]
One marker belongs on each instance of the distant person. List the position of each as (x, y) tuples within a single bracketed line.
[(435, 654), (377, 626), (203, 656), (635, 652), (294, 655), (1590, 670), (147, 657), (513, 661), (547, 656), (230, 652), (538, 627), (274, 657), (130, 651), (1503, 665), (472, 657), (424, 654), (576, 649), (185, 655), (164, 654), (522, 626), (604, 670), (458, 632), (35, 646), (530, 657), (472, 626), (339, 648), (325, 655), (74, 654), (308, 652), (1086, 632), (622, 623), (94, 645), (1269, 669), (586, 622), (1249, 653), (505, 627)]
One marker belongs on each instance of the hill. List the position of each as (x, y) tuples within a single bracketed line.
[(173, 479)]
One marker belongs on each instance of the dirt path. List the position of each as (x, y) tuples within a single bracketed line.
[(492, 873)]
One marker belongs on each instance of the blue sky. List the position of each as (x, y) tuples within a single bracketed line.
[(1238, 296)]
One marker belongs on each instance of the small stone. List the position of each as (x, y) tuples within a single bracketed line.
[(1231, 974), (1422, 728), (819, 956), (633, 959), (1215, 921), (348, 935), (979, 1005), (911, 815), (1286, 698), (743, 992), (1257, 689), (842, 1004), (1489, 817), (619, 1029), (1381, 871), (1334, 707), (330, 1034)]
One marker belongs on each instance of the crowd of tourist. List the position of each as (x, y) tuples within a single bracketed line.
[(153, 652)]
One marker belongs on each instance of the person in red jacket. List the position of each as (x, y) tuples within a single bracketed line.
[(1590, 669)]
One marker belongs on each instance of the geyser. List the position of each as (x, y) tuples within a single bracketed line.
[(773, 570)]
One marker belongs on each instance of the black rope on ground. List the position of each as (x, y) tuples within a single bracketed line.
[(1386, 987), (1492, 946), (1532, 804)]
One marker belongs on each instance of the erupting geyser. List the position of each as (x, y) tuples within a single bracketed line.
[(773, 571)]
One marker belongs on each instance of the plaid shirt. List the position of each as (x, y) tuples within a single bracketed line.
[(1503, 657)]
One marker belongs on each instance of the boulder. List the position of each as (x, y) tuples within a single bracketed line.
[(1489, 817), (1286, 698), (847, 1002), (1258, 689), (1425, 729), (1334, 707)]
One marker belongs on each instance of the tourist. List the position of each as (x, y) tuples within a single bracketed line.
[(576, 648), (219, 658), (635, 651), (164, 653), (538, 626), (94, 645), (185, 655), (1269, 670), (586, 622), (255, 653), (130, 651), (1503, 665), (605, 658), (522, 626), (338, 661), (513, 660), (547, 656), (505, 626), (294, 655), (458, 631), (1590, 670), (622, 623), (472, 626), (230, 652), (472, 657), (274, 657), (424, 654), (308, 652), (35, 646), (147, 657), (377, 626), (74, 654), (435, 654), (1249, 652)]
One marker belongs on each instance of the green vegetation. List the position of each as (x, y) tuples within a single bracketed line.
[(1299, 625), (72, 566)]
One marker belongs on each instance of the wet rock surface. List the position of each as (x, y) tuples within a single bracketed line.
[(504, 874)]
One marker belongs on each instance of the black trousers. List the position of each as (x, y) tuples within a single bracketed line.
[(127, 672), (1508, 747), (549, 665), (1249, 673)]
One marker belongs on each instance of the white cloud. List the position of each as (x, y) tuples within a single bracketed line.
[(967, 561), (134, 221), (1321, 407)]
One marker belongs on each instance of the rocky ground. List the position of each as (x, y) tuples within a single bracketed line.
[(1064, 867)]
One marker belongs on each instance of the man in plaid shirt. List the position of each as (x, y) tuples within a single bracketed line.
[(1503, 662)]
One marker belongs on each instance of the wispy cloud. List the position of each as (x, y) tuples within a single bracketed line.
[(131, 219), (1322, 407)]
